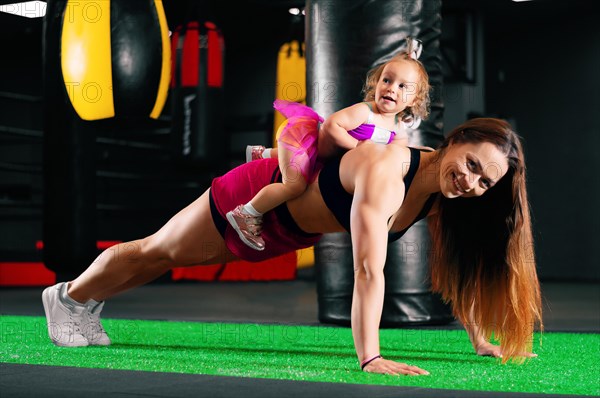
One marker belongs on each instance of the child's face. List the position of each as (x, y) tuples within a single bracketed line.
[(397, 87)]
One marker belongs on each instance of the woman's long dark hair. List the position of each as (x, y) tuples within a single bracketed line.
[(483, 259)]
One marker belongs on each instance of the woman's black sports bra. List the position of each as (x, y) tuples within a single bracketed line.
[(339, 201)]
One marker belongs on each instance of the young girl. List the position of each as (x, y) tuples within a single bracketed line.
[(396, 92)]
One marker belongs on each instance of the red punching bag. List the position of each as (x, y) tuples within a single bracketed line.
[(197, 93)]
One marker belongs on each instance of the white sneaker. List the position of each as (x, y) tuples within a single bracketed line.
[(92, 328), (64, 320)]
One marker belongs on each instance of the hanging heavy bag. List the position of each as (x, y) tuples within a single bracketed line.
[(102, 60), (290, 84), (197, 93), (345, 38)]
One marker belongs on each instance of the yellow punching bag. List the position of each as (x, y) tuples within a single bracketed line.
[(115, 58), (291, 78), (291, 86)]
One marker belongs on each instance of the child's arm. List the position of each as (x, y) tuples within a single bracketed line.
[(333, 135), (401, 137)]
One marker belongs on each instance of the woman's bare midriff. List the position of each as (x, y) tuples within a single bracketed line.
[(311, 214)]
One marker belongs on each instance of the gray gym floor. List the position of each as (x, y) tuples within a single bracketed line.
[(569, 307)]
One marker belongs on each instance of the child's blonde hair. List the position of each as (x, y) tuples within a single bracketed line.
[(420, 107)]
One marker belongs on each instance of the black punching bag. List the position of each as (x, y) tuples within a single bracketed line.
[(106, 60), (346, 38)]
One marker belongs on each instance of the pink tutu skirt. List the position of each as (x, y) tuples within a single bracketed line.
[(300, 136)]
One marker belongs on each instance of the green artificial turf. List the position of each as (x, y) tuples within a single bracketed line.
[(568, 363)]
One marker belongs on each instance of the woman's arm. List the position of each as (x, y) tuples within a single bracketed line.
[(377, 195), (479, 342)]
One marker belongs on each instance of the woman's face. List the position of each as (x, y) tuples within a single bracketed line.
[(470, 169)]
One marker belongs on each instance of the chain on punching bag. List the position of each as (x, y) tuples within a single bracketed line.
[(346, 38), (102, 60)]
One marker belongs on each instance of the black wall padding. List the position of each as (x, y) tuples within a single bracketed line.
[(344, 39), (69, 228)]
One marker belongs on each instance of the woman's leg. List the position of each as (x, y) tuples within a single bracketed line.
[(189, 238)]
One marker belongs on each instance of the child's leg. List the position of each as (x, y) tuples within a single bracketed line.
[(293, 184), (273, 153), (247, 219)]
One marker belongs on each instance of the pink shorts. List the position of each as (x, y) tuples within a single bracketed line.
[(280, 233)]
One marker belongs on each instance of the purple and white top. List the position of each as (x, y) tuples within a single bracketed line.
[(368, 131)]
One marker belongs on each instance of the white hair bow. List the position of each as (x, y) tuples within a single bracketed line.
[(414, 47)]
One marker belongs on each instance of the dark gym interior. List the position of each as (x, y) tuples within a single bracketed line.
[(534, 63)]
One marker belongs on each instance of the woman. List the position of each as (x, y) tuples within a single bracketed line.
[(376, 192)]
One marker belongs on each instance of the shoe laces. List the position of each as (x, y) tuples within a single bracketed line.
[(95, 324), (94, 320), (254, 224), (76, 326), (74, 317), (257, 152)]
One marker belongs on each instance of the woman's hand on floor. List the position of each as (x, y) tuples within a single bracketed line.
[(491, 350), (388, 367)]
